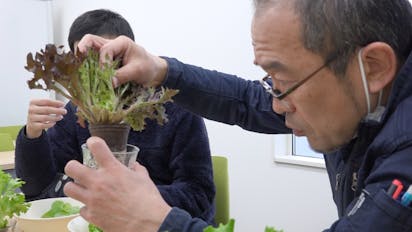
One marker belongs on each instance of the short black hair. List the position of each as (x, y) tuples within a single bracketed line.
[(343, 26), (99, 22)]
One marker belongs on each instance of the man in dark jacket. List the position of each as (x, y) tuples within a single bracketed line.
[(338, 72), (177, 154)]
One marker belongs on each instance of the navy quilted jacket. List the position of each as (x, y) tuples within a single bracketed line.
[(360, 172)]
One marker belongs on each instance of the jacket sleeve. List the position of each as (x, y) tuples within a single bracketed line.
[(375, 209), (34, 163), (224, 98), (190, 165), (40, 162), (180, 221)]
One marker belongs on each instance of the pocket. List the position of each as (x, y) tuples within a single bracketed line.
[(380, 212), (393, 208)]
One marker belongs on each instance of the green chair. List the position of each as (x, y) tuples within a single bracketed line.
[(6, 142), (12, 131), (221, 179)]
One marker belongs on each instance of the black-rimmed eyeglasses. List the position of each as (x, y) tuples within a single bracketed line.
[(281, 95)]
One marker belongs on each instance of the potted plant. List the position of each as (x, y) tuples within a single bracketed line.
[(11, 202), (87, 83)]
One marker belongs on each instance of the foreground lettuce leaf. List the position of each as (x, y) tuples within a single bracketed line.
[(271, 229), (229, 227), (11, 203), (93, 228)]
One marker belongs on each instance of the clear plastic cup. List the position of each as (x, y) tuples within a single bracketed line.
[(127, 157)]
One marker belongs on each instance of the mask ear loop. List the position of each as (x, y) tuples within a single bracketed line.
[(365, 83), (380, 98)]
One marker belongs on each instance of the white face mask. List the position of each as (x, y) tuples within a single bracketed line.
[(379, 110)]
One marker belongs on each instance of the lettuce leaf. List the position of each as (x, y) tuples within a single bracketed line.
[(11, 202), (88, 84), (93, 228), (60, 208), (230, 226), (272, 229)]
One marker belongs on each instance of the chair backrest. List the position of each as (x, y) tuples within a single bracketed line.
[(221, 179), (6, 142), (12, 132)]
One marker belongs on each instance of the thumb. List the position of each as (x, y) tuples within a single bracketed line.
[(101, 152)]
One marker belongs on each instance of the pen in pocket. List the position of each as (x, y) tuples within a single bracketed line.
[(395, 189), (407, 197)]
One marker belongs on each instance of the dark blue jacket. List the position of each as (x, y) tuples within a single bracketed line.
[(360, 172), (176, 155)]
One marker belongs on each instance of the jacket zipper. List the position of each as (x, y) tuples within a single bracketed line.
[(354, 185), (337, 182)]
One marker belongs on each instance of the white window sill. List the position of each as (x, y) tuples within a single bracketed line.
[(300, 160)]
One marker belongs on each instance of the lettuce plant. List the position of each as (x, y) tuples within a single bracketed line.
[(87, 83), (11, 202), (60, 208), (230, 227)]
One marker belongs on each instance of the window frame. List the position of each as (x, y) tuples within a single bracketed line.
[(283, 153)]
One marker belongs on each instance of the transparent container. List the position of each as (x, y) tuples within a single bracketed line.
[(127, 157)]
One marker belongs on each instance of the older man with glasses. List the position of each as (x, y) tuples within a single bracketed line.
[(338, 72)]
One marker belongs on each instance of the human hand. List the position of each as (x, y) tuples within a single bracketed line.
[(137, 64), (43, 114), (116, 198)]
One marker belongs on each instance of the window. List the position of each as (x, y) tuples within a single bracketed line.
[(300, 147), (295, 150)]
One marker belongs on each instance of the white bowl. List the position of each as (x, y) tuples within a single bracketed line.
[(78, 224), (31, 221)]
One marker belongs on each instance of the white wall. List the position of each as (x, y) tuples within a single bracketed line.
[(24, 28), (216, 34)]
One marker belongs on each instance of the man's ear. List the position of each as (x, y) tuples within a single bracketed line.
[(380, 62)]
